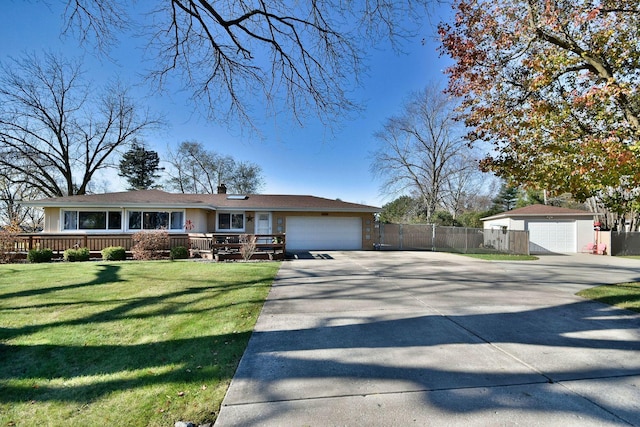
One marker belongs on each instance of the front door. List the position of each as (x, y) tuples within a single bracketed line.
[(263, 225)]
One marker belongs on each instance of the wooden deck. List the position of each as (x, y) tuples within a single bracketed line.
[(218, 246), (225, 246), (59, 242)]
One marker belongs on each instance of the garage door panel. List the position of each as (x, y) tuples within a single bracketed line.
[(552, 236), (321, 233)]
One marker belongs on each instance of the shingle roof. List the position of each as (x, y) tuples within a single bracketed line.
[(540, 210), (158, 199)]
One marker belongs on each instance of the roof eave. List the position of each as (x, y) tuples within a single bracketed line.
[(156, 205), (86, 205), (549, 215), (320, 209)]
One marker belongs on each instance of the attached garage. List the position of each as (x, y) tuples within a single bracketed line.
[(323, 233), (552, 236), (551, 229)]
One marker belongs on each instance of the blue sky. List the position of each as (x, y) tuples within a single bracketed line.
[(294, 159)]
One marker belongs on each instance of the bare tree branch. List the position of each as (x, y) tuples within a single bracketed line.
[(240, 57), (56, 131)]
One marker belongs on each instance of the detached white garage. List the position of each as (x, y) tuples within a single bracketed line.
[(552, 236), (323, 233), (551, 229)]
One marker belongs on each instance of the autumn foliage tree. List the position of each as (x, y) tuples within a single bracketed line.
[(554, 85)]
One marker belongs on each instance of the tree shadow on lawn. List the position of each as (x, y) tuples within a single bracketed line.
[(193, 361), (126, 308), (107, 274)]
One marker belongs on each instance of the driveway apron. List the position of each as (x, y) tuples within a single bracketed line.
[(423, 338)]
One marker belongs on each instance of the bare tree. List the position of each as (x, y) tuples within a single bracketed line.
[(197, 170), (56, 129), (11, 210), (421, 152), (462, 188), (245, 178), (239, 55)]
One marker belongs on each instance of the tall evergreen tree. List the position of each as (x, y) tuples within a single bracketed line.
[(506, 199), (140, 167)]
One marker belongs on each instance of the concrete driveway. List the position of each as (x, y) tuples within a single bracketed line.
[(421, 338)]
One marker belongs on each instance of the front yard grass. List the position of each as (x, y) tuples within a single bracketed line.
[(123, 344), (503, 257), (624, 295)]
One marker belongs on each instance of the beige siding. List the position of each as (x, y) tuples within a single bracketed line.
[(51, 220), (199, 220), (249, 226), (211, 222)]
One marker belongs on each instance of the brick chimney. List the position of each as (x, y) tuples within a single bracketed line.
[(222, 189)]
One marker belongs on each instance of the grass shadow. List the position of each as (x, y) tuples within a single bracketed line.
[(187, 361), (166, 330), (625, 295), (106, 274)]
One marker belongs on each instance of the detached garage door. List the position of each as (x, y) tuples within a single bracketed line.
[(322, 233), (552, 236)]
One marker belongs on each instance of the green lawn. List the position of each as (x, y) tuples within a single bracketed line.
[(123, 344), (503, 257), (624, 295)]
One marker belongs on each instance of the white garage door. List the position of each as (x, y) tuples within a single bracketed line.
[(552, 236), (322, 233)]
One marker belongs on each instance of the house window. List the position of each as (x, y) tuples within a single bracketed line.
[(177, 221), (135, 220), (231, 221), (70, 220), (92, 220), (156, 220), (115, 220)]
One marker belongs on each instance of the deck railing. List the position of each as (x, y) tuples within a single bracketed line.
[(60, 242), (214, 245), (230, 245)]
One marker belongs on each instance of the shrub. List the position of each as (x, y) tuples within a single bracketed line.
[(179, 252), (39, 255), (114, 253), (150, 244), (80, 254), (247, 246), (8, 242)]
